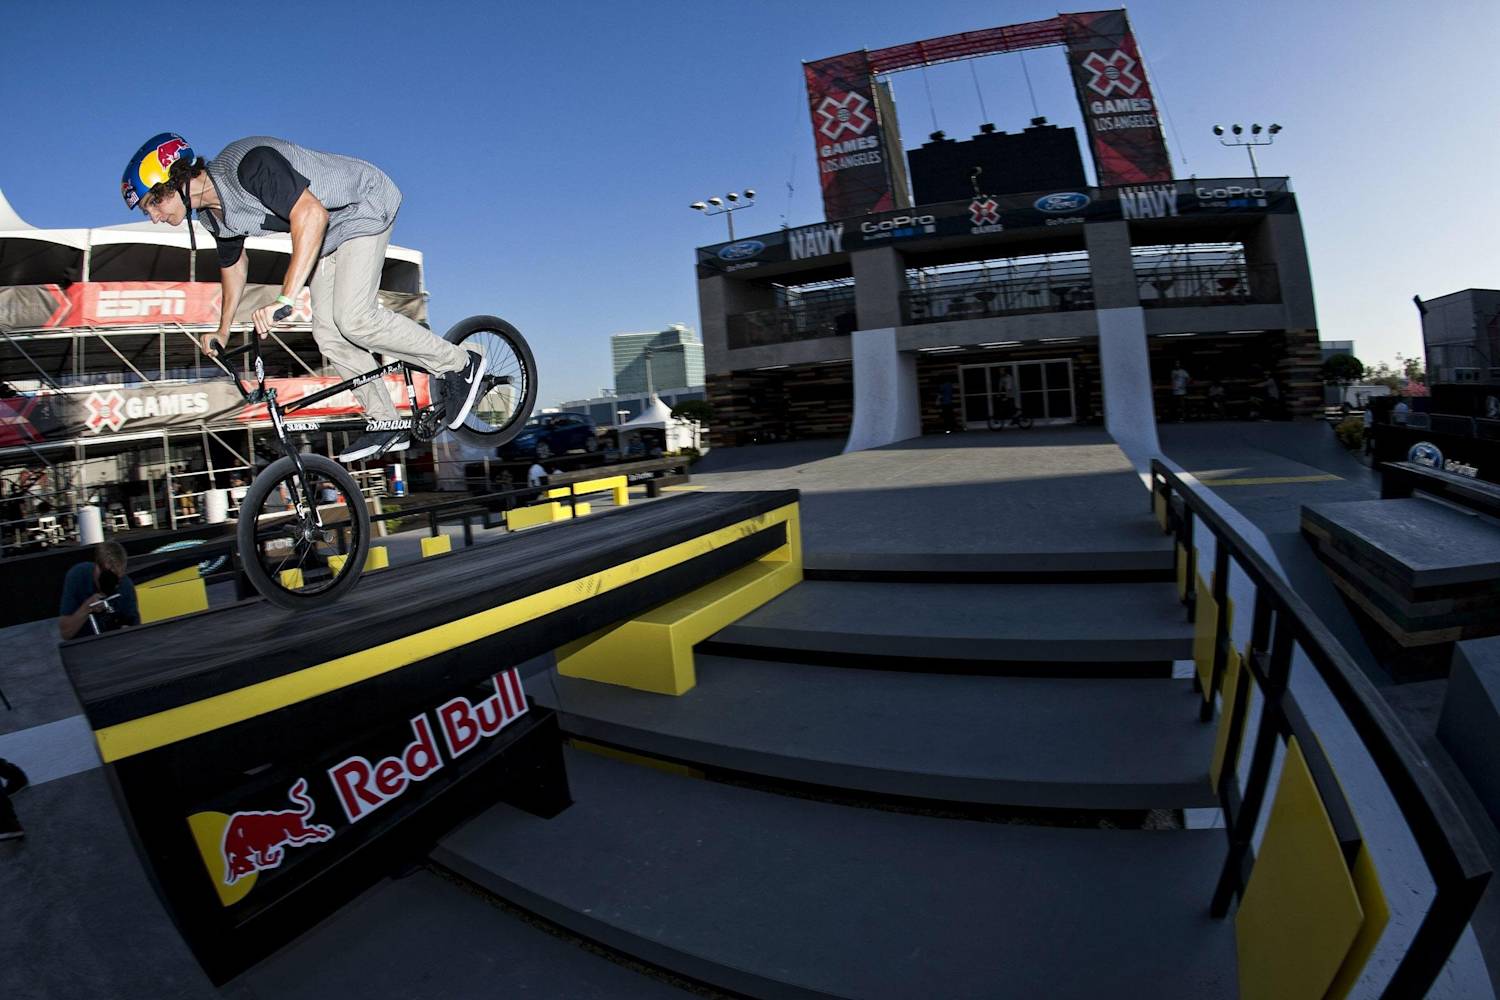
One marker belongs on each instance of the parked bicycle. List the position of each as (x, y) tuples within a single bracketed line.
[(304, 529), (1005, 413)]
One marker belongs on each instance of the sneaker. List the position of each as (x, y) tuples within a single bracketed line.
[(10, 826), (461, 387), (373, 444)]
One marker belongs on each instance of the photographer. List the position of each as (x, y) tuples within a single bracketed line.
[(98, 596)]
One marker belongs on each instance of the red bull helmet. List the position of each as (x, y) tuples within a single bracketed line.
[(151, 164)]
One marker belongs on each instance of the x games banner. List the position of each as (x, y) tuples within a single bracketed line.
[(1115, 97), (848, 137)]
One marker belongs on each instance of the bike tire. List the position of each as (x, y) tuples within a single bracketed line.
[(996, 423), (1023, 421), (252, 533), (497, 416)]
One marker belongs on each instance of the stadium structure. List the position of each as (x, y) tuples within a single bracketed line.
[(1083, 297)]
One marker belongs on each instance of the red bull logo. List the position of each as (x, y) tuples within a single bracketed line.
[(168, 152), (257, 841)]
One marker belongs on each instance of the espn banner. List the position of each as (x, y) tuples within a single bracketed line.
[(849, 142), (1115, 97), (152, 303)]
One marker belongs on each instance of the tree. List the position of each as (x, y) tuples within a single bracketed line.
[(1343, 369), (696, 410)]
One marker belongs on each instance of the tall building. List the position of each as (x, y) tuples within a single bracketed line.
[(676, 356)]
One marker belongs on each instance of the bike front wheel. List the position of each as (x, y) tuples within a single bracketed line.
[(303, 560), (507, 390)]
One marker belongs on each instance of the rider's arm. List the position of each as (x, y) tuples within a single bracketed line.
[(309, 220), (232, 281)]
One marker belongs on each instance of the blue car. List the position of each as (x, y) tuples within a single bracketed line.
[(549, 434)]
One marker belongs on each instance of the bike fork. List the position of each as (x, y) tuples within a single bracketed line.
[(303, 501)]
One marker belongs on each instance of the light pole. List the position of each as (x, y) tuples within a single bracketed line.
[(1255, 130), (725, 206)]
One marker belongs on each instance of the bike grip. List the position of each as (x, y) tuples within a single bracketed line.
[(281, 313)]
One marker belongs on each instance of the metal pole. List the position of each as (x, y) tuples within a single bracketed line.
[(1250, 148), (729, 218), (166, 453)]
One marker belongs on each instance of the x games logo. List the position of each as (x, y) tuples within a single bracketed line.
[(1117, 72), (105, 410), (847, 114)]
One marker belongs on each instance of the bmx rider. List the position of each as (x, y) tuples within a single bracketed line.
[(339, 212)]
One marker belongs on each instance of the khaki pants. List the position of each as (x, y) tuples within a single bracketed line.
[(351, 327)]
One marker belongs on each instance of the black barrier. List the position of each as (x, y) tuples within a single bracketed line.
[(1282, 623), (271, 765)]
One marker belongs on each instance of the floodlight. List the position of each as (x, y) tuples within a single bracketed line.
[(715, 202), (700, 206), (1274, 129), (1237, 130), (750, 193), (1255, 129), (732, 196), (1218, 130)]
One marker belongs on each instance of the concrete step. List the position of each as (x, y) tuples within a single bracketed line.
[(424, 936), (776, 896), (1102, 629), (1123, 566), (995, 741)]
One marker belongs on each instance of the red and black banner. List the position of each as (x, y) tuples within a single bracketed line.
[(1115, 96), (848, 137)]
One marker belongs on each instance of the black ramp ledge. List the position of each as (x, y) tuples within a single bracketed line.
[(122, 675)]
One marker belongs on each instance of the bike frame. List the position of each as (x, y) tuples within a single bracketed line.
[(305, 502)]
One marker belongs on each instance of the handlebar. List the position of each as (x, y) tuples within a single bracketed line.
[(235, 352)]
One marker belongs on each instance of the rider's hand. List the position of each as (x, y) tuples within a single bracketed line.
[(214, 343), (264, 319)]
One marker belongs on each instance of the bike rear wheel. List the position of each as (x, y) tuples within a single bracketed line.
[(274, 538), (508, 390), (1023, 421)]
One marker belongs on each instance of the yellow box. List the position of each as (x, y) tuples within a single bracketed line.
[(436, 545), (654, 651), (530, 517), (376, 558), (291, 579), (157, 600)]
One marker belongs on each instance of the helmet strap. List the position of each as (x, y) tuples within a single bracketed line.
[(187, 200)]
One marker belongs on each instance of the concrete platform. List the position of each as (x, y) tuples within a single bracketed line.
[(1111, 626), (998, 741), (1058, 499), (776, 896), (1420, 543)]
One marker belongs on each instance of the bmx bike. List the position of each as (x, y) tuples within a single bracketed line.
[(1005, 413), (304, 529)]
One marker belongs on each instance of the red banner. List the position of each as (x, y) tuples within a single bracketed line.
[(1118, 108), (848, 137), (145, 303)]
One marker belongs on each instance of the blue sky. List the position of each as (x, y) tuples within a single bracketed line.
[(548, 152)]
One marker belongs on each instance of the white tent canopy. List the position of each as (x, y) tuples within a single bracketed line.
[(658, 415)]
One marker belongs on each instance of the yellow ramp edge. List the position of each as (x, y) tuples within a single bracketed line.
[(134, 736), (436, 545), (1301, 913)]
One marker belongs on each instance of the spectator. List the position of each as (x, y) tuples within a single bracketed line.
[(12, 780), (1180, 381), (1216, 405), (535, 474), (1400, 411), (1369, 422), (98, 595), (1272, 392), (946, 407)]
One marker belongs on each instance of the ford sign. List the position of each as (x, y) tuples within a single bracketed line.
[(1071, 201), (743, 250)]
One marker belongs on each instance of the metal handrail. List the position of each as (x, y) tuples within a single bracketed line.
[(1458, 865)]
